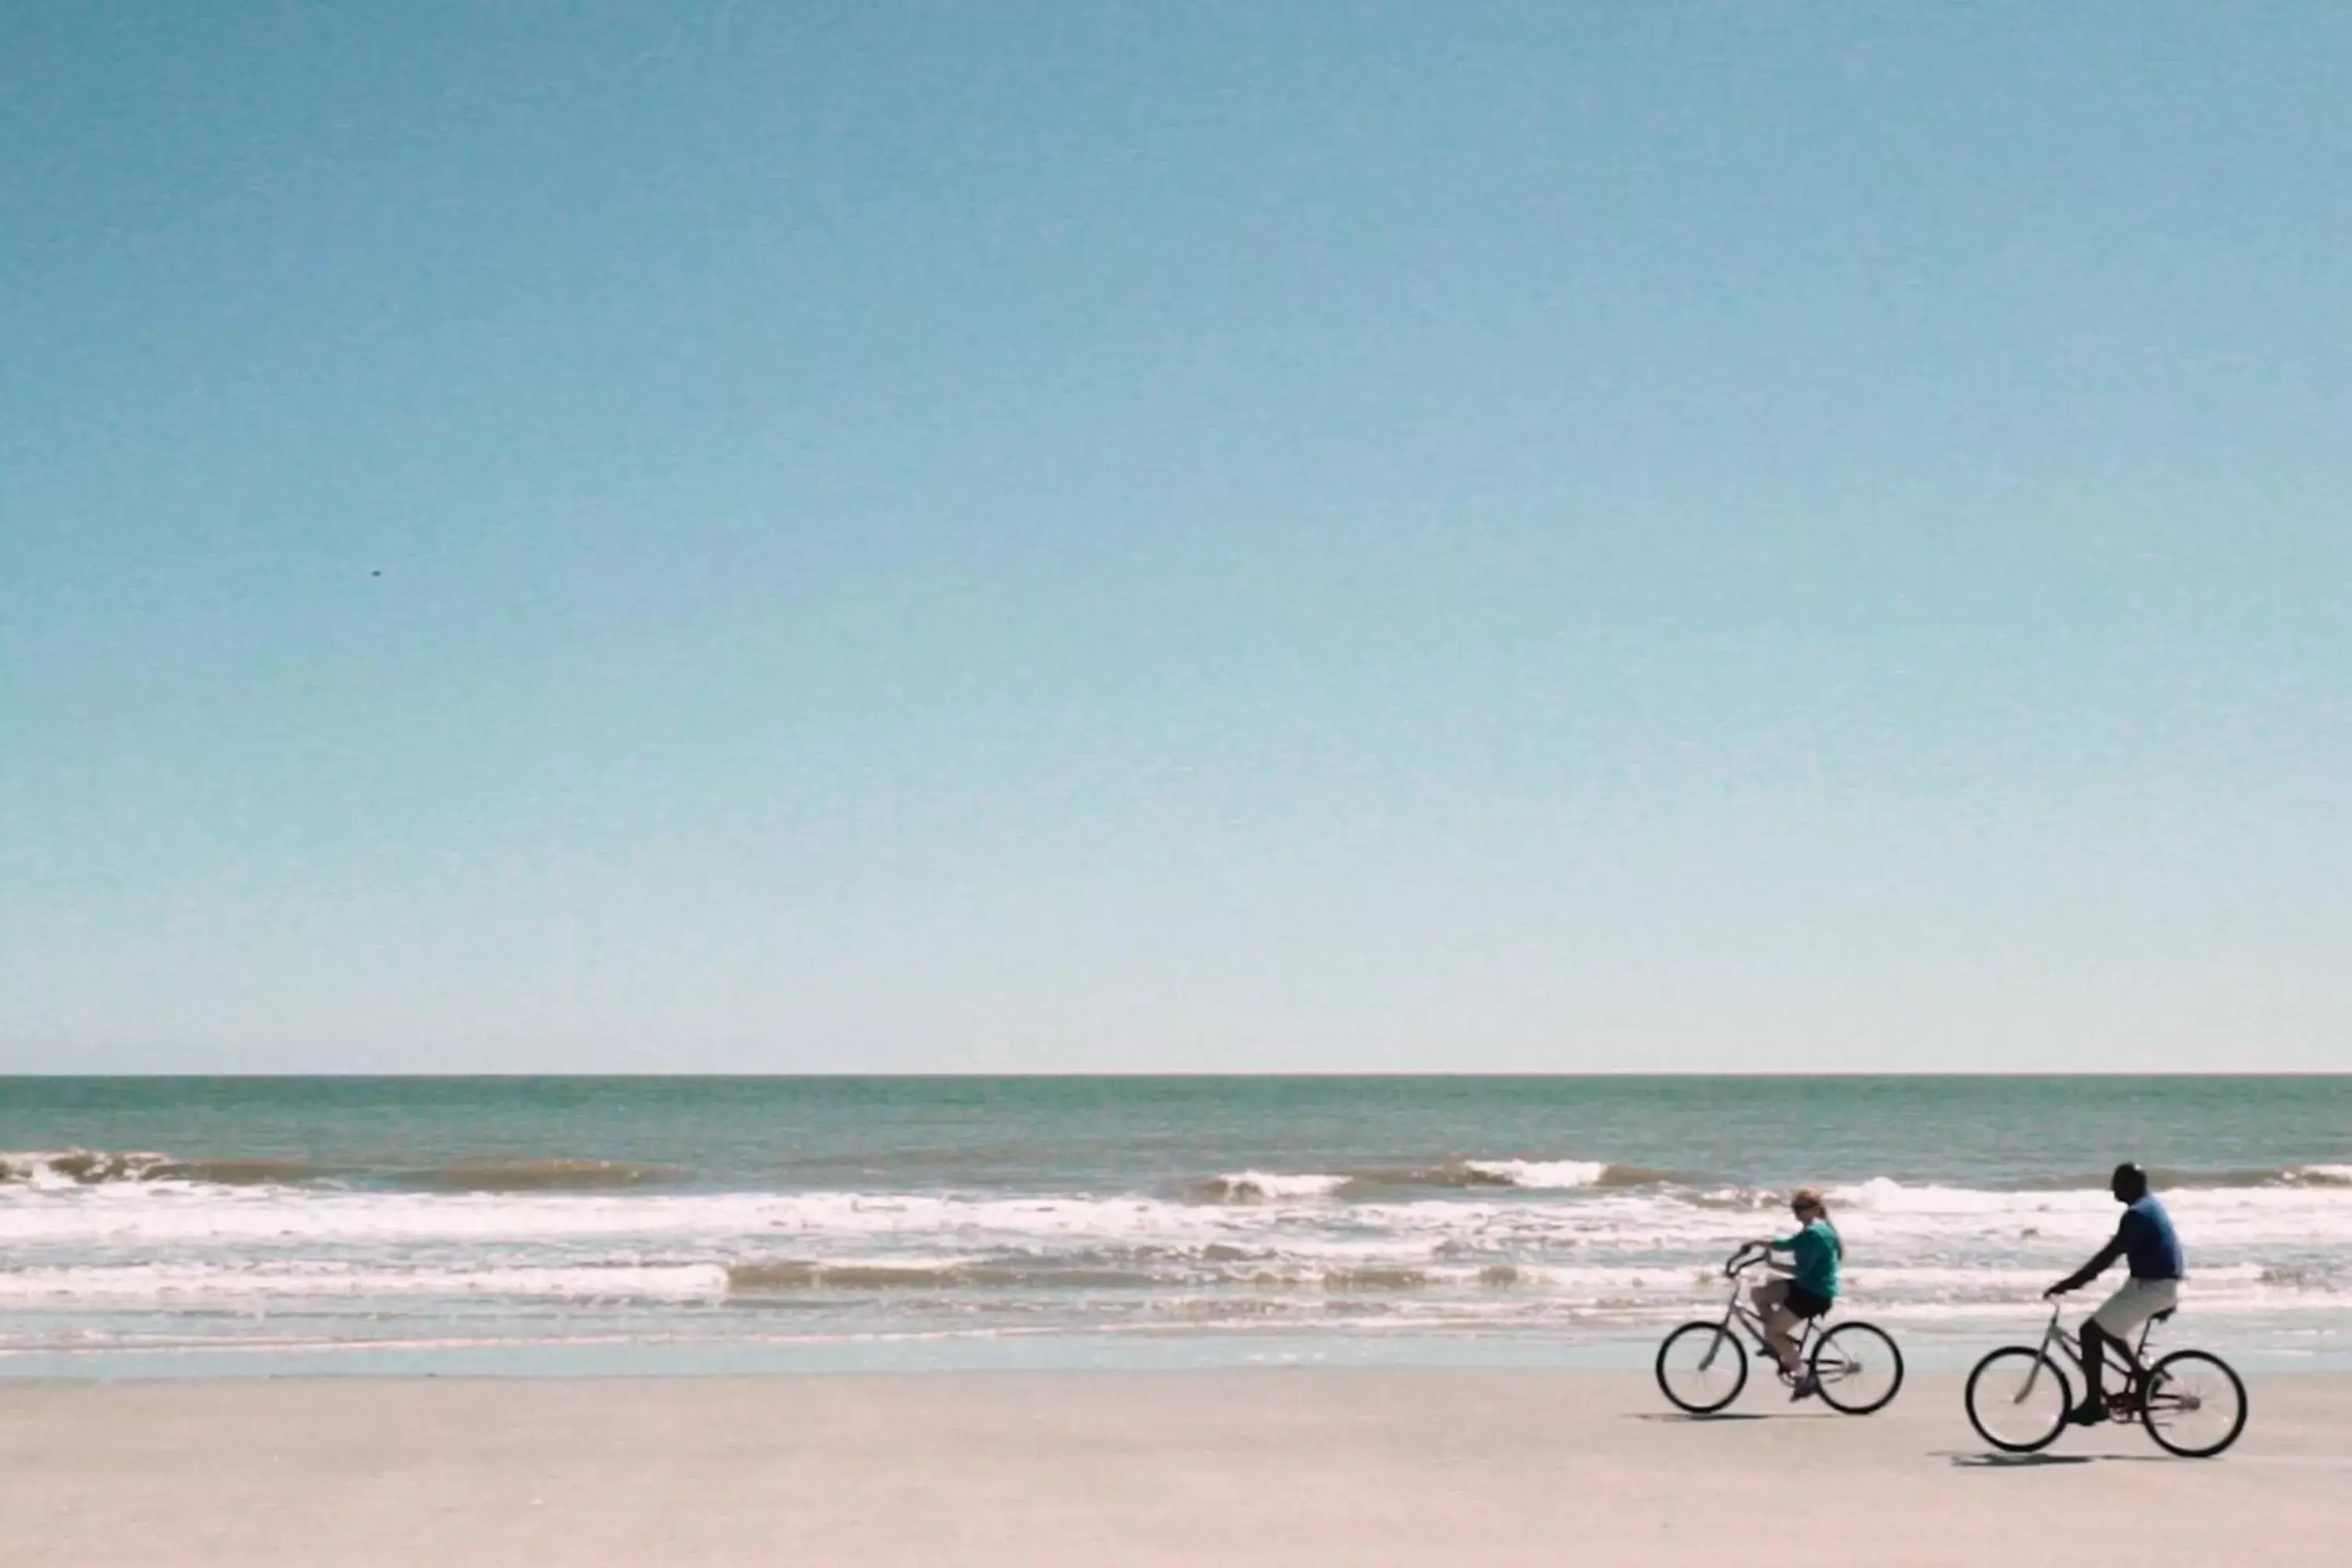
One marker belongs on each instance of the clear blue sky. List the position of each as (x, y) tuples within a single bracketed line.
[(1174, 537)]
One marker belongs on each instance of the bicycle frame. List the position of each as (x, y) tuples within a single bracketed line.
[(1737, 1311), (2132, 1363)]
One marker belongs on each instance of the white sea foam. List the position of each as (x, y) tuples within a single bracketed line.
[(1881, 1211), (1562, 1246), (1276, 1185), (1555, 1175), (55, 1169), (168, 1282)]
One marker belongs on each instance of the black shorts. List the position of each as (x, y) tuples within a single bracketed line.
[(1804, 1303)]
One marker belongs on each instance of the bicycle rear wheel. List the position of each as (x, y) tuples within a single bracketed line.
[(1859, 1366), (2018, 1399), (2194, 1404), (1702, 1367)]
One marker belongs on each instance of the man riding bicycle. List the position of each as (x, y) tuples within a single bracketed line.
[(2146, 1240)]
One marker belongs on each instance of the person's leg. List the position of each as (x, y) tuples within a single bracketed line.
[(1780, 1331), (1799, 1309), (2094, 1368), (1771, 1300), (2113, 1324), (2149, 1298)]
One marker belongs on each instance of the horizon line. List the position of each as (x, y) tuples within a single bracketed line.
[(1102, 1074)]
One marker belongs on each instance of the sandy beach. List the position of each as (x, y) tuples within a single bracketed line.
[(1245, 1467)]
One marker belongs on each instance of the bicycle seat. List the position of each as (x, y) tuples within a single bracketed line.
[(2159, 1317)]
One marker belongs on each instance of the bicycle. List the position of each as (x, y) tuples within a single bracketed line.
[(2191, 1402), (1702, 1366)]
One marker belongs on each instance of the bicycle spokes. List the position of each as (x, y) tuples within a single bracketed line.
[(2017, 1399), (2195, 1404), (1701, 1367)]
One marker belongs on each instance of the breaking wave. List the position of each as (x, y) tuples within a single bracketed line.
[(351, 1215), (91, 1241), (1531, 1175), (537, 1175), (65, 1168), (1262, 1186), (2167, 1178), (1554, 1175), (89, 1167), (69, 1168)]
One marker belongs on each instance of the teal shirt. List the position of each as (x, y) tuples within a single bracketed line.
[(1816, 1248)]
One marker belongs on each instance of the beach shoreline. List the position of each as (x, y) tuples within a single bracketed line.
[(1287, 1465)]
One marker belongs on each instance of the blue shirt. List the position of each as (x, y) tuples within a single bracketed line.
[(2149, 1242)]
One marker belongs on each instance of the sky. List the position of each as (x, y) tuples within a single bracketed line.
[(1174, 537)]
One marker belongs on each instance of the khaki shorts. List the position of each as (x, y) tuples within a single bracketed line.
[(2135, 1303)]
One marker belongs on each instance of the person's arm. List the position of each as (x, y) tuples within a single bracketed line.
[(1786, 1244), (2098, 1265)]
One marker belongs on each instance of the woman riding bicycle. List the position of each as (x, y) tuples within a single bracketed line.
[(1786, 1303)]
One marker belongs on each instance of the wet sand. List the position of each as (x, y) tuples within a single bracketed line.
[(1226, 1467)]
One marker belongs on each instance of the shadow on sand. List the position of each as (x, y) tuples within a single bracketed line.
[(2035, 1461)]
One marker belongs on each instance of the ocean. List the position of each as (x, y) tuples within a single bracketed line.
[(228, 1226)]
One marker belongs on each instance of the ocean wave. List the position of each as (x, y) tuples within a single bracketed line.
[(1554, 1175), (76, 1167), (71, 1168), (2300, 1277), (1374, 1278), (2168, 1178), (58, 1169), (1264, 1186), (1020, 1288), (1532, 1176), (1532, 1258), (534, 1175), (978, 1274), (1878, 1211), (795, 1274), (55, 1167), (91, 1167), (1886, 1196), (1453, 1175), (167, 1282)]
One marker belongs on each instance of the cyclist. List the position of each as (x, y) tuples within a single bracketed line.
[(2146, 1240), (1786, 1303)]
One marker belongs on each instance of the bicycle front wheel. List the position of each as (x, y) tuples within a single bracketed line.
[(1859, 1368), (1702, 1367), (2018, 1400), (2194, 1404)]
